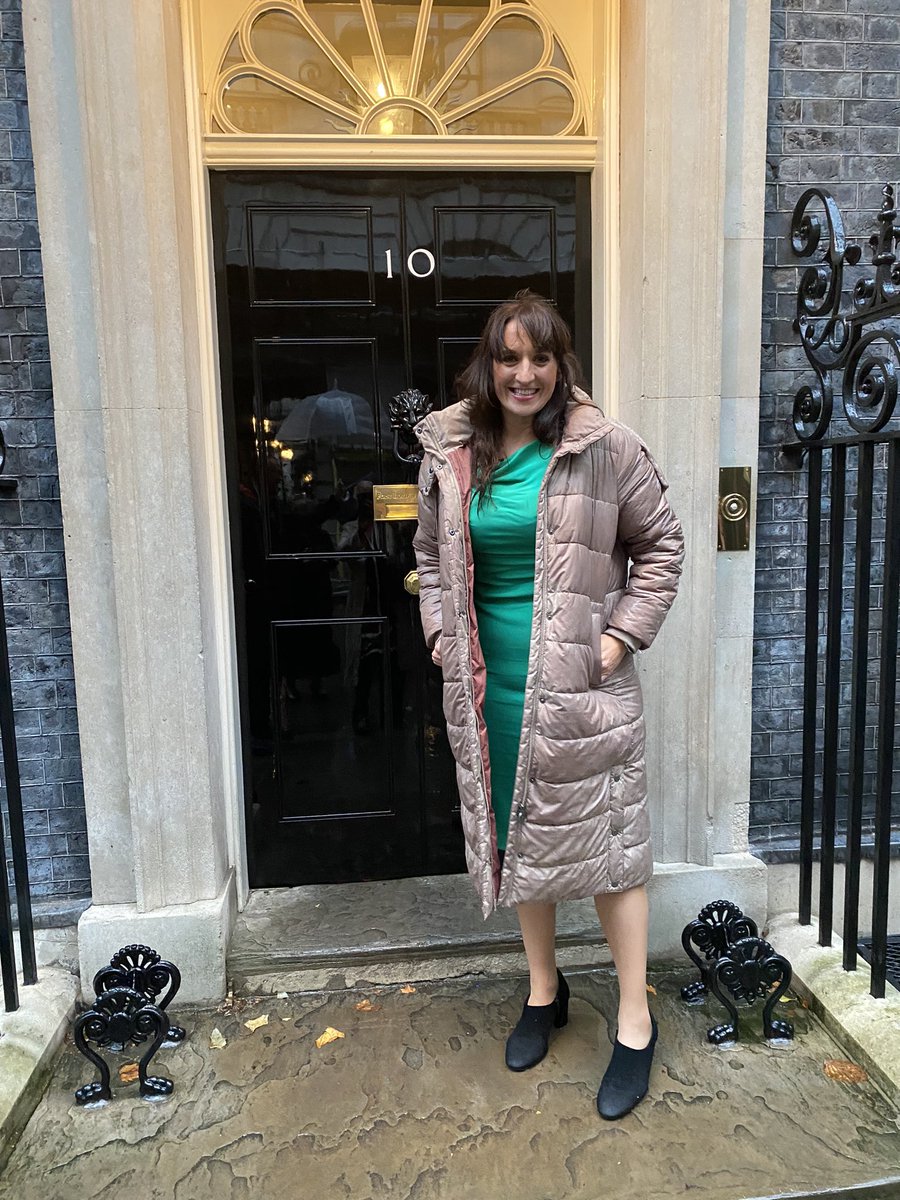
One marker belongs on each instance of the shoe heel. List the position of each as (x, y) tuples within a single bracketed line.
[(562, 1003)]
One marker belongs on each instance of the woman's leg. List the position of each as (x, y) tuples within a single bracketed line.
[(538, 924), (625, 918)]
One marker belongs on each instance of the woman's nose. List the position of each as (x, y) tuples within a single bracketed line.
[(525, 371)]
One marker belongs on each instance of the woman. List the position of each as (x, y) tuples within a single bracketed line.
[(531, 504)]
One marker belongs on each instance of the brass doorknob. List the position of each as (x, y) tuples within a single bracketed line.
[(411, 583)]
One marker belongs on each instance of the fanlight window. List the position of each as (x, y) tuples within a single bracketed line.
[(439, 67)]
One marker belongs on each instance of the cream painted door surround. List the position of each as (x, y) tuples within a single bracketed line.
[(666, 106)]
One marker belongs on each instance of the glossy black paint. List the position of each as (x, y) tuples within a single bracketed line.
[(328, 309)]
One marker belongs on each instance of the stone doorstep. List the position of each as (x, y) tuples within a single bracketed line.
[(346, 935), (332, 936), (868, 1029), (29, 1041)]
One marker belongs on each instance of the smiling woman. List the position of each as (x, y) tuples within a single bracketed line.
[(547, 553)]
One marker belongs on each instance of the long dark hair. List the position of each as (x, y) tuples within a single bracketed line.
[(540, 322)]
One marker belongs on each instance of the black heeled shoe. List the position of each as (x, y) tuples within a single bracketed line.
[(529, 1041), (627, 1077)]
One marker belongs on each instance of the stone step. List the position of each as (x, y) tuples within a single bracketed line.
[(347, 935)]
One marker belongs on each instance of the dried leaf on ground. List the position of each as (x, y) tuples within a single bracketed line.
[(235, 1004), (407, 989), (651, 989), (128, 1073), (367, 1006), (786, 1000), (216, 1040), (843, 1071), (257, 1022), (330, 1035)]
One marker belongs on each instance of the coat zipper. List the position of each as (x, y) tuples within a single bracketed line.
[(522, 807)]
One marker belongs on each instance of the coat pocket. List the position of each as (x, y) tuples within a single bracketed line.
[(595, 670), (599, 623)]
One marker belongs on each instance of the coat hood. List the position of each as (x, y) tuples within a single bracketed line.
[(448, 428)]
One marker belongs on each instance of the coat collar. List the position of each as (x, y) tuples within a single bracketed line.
[(449, 428)]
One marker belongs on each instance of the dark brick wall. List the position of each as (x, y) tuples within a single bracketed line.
[(31, 537), (834, 121)]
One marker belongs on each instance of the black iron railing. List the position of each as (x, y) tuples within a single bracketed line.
[(17, 839), (853, 458)]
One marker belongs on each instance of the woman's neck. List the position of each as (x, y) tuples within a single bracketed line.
[(516, 434)]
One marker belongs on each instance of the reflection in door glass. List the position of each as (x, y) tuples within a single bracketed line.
[(316, 438), (311, 255)]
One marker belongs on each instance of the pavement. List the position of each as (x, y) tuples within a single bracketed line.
[(414, 1103)]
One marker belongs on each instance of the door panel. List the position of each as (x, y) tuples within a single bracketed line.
[(337, 291)]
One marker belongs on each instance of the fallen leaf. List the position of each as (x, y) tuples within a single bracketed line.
[(128, 1073), (287, 1018), (216, 1040), (330, 1035), (651, 989), (407, 989), (843, 1071), (257, 1022), (367, 1006), (785, 999)]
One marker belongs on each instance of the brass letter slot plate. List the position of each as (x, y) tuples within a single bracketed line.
[(734, 508), (396, 501)]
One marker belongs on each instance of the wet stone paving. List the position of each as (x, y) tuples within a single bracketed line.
[(414, 1101)]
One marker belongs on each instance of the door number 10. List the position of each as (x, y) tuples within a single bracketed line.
[(411, 263)]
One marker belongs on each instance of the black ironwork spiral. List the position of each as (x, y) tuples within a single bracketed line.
[(132, 993), (141, 968), (832, 333), (118, 1017), (737, 965), (716, 927)]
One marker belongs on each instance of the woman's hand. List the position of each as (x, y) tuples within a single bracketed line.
[(612, 651), (436, 653)]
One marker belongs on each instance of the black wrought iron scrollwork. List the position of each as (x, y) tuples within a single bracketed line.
[(141, 968), (132, 994), (836, 336), (715, 928), (748, 970), (737, 965), (406, 410), (118, 1017)]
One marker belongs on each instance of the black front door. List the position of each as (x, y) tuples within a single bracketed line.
[(335, 292)]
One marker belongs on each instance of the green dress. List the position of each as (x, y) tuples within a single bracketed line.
[(503, 534)]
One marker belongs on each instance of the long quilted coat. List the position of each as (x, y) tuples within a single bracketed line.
[(579, 823)]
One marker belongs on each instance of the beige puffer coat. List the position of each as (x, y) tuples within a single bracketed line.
[(579, 823)]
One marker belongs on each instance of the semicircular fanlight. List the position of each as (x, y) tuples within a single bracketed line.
[(435, 68)]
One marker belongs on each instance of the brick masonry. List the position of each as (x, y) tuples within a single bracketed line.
[(31, 535), (834, 121)]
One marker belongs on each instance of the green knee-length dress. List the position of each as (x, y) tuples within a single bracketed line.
[(503, 532)]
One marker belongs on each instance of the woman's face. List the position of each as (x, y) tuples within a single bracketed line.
[(524, 378)]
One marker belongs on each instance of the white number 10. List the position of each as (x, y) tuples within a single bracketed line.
[(411, 263)]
